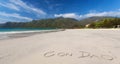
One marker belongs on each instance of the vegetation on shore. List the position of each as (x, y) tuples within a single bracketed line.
[(106, 23)]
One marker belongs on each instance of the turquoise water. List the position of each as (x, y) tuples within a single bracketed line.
[(4, 32), (21, 29)]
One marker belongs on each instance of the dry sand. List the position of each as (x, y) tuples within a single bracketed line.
[(73, 46)]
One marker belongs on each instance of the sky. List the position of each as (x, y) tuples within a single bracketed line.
[(28, 10)]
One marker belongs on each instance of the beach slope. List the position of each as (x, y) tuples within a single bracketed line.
[(72, 46)]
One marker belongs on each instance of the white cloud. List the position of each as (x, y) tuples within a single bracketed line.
[(19, 6), (91, 14), (10, 5), (27, 7), (68, 15), (15, 15)]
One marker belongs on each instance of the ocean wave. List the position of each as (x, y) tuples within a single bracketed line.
[(15, 32)]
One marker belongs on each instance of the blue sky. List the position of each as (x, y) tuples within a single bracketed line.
[(27, 10)]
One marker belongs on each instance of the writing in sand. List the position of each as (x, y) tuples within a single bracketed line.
[(80, 55)]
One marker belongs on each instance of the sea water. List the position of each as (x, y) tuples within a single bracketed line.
[(4, 32)]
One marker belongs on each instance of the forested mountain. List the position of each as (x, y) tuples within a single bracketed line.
[(45, 23), (94, 22)]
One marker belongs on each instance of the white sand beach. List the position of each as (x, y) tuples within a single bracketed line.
[(72, 46)]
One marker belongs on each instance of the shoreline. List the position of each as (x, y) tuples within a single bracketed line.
[(20, 34)]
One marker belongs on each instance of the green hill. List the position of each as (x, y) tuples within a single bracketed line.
[(92, 19)]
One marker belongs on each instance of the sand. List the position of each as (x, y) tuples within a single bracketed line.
[(73, 46)]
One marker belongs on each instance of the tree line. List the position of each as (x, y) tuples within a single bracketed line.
[(105, 23)]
